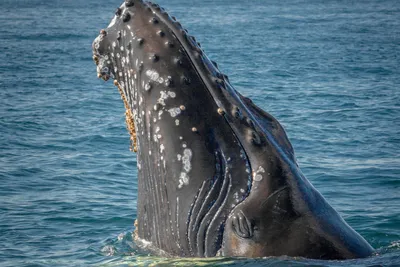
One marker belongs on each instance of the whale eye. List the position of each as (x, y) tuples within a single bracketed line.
[(242, 226)]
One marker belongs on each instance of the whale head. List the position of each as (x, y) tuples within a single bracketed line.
[(216, 174)]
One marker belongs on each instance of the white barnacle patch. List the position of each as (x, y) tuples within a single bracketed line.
[(183, 179), (174, 112), (179, 157), (97, 41), (257, 176), (147, 87), (153, 75), (162, 148), (186, 167), (236, 197), (157, 129), (122, 48), (160, 80), (186, 159), (171, 94), (160, 113), (164, 96), (177, 122)]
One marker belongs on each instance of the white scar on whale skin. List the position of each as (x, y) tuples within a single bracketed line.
[(257, 176), (153, 75), (174, 112), (164, 96), (160, 113), (171, 94), (187, 166)]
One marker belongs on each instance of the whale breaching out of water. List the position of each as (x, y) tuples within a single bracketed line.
[(217, 175)]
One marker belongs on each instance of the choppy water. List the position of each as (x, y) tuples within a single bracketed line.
[(328, 70)]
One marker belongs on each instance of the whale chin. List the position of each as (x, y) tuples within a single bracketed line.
[(216, 174)]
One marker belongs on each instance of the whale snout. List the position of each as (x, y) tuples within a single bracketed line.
[(101, 57)]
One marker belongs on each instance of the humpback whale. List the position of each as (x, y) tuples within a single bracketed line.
[(217, 175)]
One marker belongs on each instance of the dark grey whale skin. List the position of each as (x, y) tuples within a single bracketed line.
[(216, 174)]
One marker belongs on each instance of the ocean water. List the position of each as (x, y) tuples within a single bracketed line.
[(329, 71)]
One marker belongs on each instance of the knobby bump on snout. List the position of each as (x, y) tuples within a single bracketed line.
[(217, 175)]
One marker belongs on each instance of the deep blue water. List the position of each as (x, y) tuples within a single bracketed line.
[(329, 71)]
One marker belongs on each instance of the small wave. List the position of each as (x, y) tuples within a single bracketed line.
[(394, 244)]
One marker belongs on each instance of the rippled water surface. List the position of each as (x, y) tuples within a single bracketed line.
[(328, 70)]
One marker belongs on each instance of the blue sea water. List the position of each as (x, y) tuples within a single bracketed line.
[(329, 71)]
